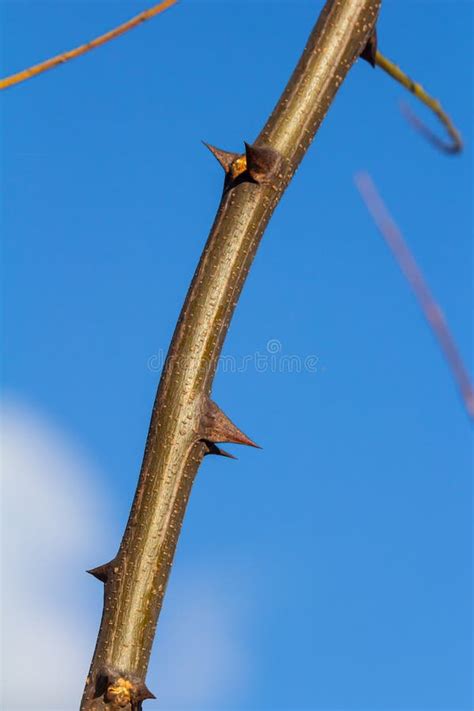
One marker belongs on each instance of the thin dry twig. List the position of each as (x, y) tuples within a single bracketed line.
[(455, 145), (433, 314), (84, 48)]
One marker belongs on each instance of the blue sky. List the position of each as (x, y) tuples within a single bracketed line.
[(338, 558)]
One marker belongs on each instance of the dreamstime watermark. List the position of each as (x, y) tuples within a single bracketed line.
[(272, 360)]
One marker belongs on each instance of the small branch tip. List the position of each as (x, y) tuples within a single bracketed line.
[(455, 145), (454, 148)]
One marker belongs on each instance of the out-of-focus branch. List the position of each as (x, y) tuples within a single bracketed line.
[(455, 145), (377, 59), (393, 237), (84, 48)]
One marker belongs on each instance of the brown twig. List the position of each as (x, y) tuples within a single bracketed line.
[(185, 423), (78, 51), (433, 314)]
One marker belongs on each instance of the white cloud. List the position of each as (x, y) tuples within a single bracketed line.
[(51, 532), (201, 660), (50, 535)]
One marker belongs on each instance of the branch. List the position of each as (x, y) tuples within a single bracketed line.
[(185, 423), (377, 59), (84, 48), (433, 314), (455, 146)]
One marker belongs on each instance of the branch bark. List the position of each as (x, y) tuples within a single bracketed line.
[(185, 423)]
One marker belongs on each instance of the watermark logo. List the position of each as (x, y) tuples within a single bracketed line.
[(272, 359)]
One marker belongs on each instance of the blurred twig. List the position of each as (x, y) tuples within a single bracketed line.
[(409, 267), (455, 145), (84, 48)]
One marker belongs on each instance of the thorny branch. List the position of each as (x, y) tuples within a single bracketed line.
[(370, 53), (186, 425)]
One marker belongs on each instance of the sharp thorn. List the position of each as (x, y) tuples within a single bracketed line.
[(219, 428), (225, 158), (212, 448), (101, 572), (370, 50), (144, 693)]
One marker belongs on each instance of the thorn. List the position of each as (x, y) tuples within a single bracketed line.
[(219, 428), (212, 448), (370, 50), (144, 693), (225, 158), (261, 161), (101, 572)]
